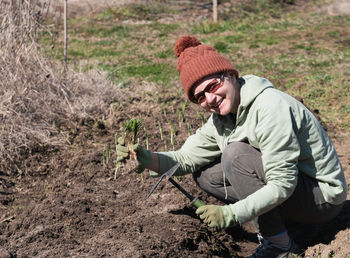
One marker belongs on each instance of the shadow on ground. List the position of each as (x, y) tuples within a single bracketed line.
[(310, 235)]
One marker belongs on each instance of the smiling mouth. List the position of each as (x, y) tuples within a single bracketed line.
[(218, 104)]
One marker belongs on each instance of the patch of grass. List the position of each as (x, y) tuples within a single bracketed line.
[(244, 28), (137, 11), (100, 52), (159, 73), (207, 27), (165, 53), (221, 47), (254, 45), (119, 31), (319, 63), (272, 40), (305, 47), (76, 53), (163, 29), (153, 72), (237, 38), (334, 33), (301, 53), (107, 42)]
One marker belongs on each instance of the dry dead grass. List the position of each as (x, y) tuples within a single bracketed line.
[(36, 95)]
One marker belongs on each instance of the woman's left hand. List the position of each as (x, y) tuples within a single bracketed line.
[(216, 216)]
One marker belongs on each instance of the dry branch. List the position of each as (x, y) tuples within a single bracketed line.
[(7, 219)]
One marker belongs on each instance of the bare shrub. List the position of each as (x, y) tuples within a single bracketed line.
[(35, 93)]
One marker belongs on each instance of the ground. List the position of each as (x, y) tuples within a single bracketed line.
[(71, 205)]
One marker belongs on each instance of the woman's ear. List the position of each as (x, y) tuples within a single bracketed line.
[(231, 77)]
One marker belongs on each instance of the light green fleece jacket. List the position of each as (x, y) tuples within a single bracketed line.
[(289, 137)]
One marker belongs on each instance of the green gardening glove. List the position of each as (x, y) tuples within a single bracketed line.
[(216, 216), (122, 151), (144, 157)]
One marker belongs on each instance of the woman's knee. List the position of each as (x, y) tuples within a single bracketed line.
[(233, 151), (240, 159), (209, 176)]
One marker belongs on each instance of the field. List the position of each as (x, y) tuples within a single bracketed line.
[(60, 194)]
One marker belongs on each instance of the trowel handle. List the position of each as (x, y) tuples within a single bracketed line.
[(197, 203)]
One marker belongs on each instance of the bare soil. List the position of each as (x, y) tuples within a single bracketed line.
[(70, 205)]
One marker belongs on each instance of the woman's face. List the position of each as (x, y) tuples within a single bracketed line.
[(218, 94)]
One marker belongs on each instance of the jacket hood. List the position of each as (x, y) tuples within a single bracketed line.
[(252, 86)]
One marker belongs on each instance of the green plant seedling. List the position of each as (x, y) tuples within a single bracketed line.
[(172, 107), (106, 154), (147, 142), (183, 110), (104, 157), (160, 130), (165, 145), (172, 136), (116, 170), (189, 129), (116, 139), (131, 130), (179, 116), (146, 138)]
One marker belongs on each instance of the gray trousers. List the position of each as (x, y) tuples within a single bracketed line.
[(244, 173)]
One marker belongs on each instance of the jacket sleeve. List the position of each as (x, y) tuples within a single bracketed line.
[(198, 150), (276, 134)]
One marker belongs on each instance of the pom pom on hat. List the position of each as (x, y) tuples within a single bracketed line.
[(196, 61), (185, 42)]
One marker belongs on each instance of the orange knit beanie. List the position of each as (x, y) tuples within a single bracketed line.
[(196, 61)]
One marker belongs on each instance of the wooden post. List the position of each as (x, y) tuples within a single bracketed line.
[(65, 34), (215, 11)]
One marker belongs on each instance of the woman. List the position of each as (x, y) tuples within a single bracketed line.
[(261, 152)]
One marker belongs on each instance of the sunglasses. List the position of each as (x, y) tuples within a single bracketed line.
[(212, 87)]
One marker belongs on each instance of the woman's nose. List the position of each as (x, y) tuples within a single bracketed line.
[(209, 97)]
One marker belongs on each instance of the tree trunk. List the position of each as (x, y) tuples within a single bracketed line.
[(215, 11)]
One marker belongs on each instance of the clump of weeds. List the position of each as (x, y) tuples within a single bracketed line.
[(130, 136)]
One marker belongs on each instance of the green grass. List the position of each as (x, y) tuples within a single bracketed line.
[(143, 11), (154, 72), (304, 54), (119, 31)]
